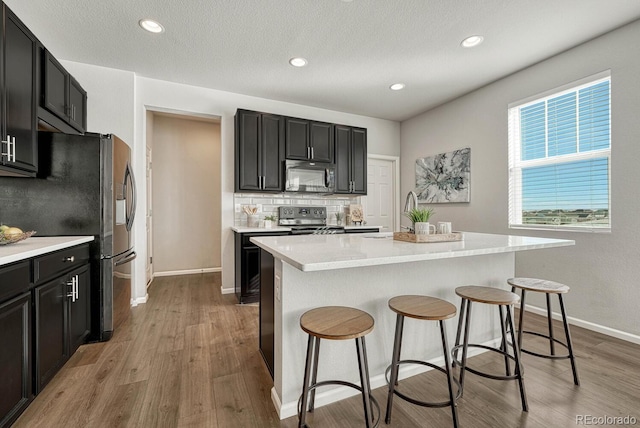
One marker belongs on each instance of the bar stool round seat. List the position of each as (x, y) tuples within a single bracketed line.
[(548, 288), (505, 300), (421, 308), (336, 323)]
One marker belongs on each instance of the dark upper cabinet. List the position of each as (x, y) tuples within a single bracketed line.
[(18, 49), (259, 151), (309, 140), (62, 95), (351, 160), (16, 390)]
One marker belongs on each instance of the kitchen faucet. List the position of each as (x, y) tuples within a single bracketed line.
[(411, 202)]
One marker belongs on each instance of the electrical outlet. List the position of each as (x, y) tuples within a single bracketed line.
[(277, 286)]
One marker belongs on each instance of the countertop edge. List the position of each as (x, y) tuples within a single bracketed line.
[(37, 246)]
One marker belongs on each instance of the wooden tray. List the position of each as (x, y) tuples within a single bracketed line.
[(421, 239)]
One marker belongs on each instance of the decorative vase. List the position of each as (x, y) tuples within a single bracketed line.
[(268, 224), (253, 220)]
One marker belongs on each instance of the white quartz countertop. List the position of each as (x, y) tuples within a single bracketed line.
[(327, 252), (36, 246), (245, 229)]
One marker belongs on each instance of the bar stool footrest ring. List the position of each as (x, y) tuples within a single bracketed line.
[(548, 356), (418, 402), (479, 373), (342, 383)]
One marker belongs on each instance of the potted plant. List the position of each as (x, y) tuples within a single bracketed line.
[(420, 219), (338, 218), (268, 221)]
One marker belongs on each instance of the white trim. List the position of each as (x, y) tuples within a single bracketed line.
[(229, 290), (396, 179), (612, 332), (336, 394), (187, 271), (139, 300)]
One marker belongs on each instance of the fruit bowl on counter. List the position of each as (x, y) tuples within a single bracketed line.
[(11, 235)]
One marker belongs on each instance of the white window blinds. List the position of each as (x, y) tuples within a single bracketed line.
[(559, 159)]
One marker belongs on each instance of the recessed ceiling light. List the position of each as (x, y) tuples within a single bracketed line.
[(396, 86), (151, 26), (471, 41), (298, 62)]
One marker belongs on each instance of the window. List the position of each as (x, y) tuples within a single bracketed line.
[(559, 158)]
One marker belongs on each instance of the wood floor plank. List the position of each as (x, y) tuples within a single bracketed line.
[(189, 358)]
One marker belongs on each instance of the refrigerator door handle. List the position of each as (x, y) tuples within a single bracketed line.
[(132, 213), (126, 259)]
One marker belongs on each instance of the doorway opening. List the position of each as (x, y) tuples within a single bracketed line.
[(184, 194)]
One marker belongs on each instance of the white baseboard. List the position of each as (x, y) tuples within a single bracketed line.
[(340, 393), (140, 300), (227, 290), (619, 334), (187, 271)]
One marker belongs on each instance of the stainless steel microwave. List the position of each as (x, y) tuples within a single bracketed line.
[(309, 177)]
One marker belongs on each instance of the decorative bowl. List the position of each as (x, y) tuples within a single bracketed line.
[(4, 240)]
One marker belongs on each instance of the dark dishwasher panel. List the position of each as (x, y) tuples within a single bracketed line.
[(247, 266)]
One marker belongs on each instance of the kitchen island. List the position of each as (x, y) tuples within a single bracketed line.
[(365, 271)]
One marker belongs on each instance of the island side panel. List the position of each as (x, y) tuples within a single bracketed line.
[(370, 288)]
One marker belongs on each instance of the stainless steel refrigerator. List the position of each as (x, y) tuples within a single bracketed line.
[(85, 186)]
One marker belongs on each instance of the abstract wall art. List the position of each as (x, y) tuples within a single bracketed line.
[(444, 178)]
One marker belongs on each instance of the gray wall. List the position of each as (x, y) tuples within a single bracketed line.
[(602, 268)]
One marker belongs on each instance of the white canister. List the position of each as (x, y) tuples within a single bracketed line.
[(444, 227), (424, 228)]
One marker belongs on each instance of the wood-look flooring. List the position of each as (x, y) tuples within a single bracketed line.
[(189, 358)]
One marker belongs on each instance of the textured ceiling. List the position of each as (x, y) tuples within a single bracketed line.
[(355, 49)]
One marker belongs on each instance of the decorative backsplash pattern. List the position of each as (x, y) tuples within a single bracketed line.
[(268, 204)]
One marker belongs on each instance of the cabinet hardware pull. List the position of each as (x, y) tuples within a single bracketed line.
[(74, 288), (308, 152), (77, 281), (14, 148), (70, 259), (312, 155), (8, 143)]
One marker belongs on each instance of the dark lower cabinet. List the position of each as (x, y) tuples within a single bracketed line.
[(51, 330), (62, 322), (16, 390), (267, 317)]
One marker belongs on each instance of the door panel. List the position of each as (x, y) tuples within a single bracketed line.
[(359, 160), (248, 160), (79, 311), (297, 139), (321, 141), (55, 86), (272, 146), (343, 158), (380, 200)]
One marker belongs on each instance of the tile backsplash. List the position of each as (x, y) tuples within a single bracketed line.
[(268, 204)]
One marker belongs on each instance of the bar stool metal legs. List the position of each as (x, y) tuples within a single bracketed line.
[(504, 300), (428, 308), (547, 287), (336, 323)]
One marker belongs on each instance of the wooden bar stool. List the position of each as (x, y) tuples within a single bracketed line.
[(421, 308), (336, 323), (548, 288), (504, 300)]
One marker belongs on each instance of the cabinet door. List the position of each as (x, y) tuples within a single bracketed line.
[(343, 159), (56, 81), (272, 146), (77, 105), (297, 139), (19, 57), (80, 310), (359, 160), (15, 358), (321, 142), (248, 168), (50, 330)]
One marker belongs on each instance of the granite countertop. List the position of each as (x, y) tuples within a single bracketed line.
[(37, 246), (327, 252)]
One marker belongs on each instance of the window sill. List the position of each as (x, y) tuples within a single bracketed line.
[(551, 228)]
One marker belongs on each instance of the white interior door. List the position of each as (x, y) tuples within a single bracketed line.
[(380, 204), (149, 218)]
